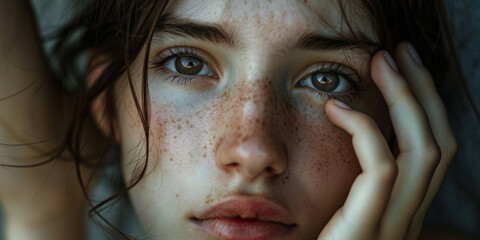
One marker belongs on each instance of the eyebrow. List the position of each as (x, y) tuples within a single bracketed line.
[(208, 32), (218, 35), (313, 41)]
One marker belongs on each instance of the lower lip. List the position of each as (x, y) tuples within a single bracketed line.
[(243, 229)]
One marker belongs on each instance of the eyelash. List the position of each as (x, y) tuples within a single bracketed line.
[(353, 79), (333, 68), (159, 61)]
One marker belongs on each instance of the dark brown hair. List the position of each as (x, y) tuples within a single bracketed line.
[(117, 30)]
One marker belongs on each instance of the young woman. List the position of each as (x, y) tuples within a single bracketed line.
[(235, 119)]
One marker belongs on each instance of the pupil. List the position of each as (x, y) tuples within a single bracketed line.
[(188, 65), (325, 82)]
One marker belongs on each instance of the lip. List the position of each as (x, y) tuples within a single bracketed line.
[(245, 218)]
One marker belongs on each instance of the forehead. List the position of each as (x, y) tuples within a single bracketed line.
[(280, 20)]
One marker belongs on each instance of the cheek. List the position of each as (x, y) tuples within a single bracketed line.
[(182, 148), (321, 149), (178, 151), (179, 138), (325, 151), (324, 165)]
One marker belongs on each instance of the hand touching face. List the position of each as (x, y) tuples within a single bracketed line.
[(390, 198)]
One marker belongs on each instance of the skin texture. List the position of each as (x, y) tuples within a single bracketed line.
[(251, 131)]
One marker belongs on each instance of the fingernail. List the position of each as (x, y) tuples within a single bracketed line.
[(414, 54), (341, 104), (390, 61)]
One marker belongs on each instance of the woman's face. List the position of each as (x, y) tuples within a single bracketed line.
[(240, 145)]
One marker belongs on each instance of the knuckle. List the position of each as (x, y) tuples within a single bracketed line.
[(428, 87), (431, 154), (404, 102), (401, 95), (388, 172), (450, 150), (367, 122), (428, 79)]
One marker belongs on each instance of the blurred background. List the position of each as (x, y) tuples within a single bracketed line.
[(457, 206)]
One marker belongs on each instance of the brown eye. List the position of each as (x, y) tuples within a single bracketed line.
[(188, 65), (326, 82)]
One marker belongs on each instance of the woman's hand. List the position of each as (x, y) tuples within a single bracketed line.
[(389, 199)]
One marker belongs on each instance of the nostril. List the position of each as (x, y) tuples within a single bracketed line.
[(233, 164)]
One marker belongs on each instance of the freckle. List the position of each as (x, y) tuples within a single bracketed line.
[(177, 195), (204, 155), (179, 127), (174, 137), (171, 159), (205, 147)]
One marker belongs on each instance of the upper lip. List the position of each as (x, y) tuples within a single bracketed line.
[(247, 207)]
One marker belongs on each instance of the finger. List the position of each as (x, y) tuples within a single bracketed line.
[(419, 153), (409, 120), (423, 87), (368, 197)]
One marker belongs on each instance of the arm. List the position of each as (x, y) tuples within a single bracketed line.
[(44, 202)]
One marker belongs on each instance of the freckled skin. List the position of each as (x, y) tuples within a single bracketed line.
[(251, 132)]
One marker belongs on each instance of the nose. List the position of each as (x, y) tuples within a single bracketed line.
[(251, 144)]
